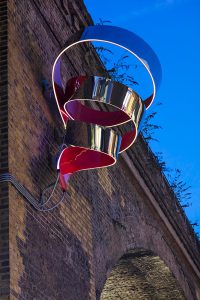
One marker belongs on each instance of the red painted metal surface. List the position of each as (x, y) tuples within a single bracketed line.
[(102, 118)]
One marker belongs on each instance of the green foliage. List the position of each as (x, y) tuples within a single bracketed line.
[(161, 162), (180, 188), (117, 71), (102, 22), (194, 224), (149, 127)]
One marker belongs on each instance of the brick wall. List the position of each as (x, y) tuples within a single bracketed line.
[(50, 253), (69, 252), (4, 249)]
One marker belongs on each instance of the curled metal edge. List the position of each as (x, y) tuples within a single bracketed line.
[(122, 104), (119, 37), (94, 137)]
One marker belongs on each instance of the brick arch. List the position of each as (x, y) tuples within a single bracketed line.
[(141, 274)]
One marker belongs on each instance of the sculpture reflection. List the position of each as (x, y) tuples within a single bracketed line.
[(102, 117)]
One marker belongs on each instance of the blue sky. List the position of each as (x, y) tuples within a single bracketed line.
[(172, 28)]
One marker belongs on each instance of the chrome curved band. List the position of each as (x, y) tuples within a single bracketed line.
[(94, 137), (111, 96), (102, 117), (101, 101), (119, 37)]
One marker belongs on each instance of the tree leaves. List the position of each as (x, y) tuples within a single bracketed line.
[(149, 128), (180, 187), (103, 22)]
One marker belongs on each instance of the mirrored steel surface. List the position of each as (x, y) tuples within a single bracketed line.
[(94, 137), (103, 102), (101, 117), (119, 37), (107, 96)]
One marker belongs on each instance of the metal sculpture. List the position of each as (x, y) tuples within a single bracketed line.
[(102, 117)]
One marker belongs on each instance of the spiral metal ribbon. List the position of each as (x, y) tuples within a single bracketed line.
[(102, 117)]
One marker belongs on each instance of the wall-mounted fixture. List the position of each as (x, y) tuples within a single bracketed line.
[(102, 117)]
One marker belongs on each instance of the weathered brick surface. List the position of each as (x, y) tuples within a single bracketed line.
[(141, 275), (68, 253), (50, 253), (4, 249)]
